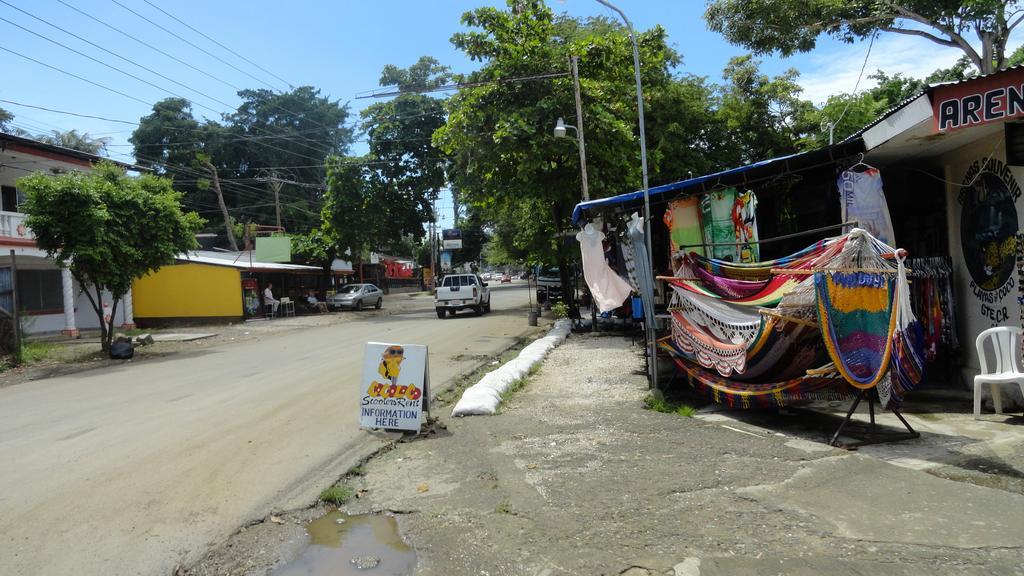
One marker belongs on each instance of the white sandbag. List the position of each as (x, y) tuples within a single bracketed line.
[(485, 396)]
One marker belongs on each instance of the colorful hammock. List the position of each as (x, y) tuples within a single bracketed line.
[(908, 351), (753, 284), (770, 395), (857, 317)]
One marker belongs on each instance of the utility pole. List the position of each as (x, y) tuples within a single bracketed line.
[(275, 185), (220, 201), (433, 239), (579, 125)]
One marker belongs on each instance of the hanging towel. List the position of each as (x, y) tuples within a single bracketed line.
[(644, 274), (861, 198), (716, 216), (607, 288), (683, 220), (744, 220)]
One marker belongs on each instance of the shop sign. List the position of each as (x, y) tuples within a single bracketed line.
[(988, 234), (394, 387), (446, 261), (451, 239), (994, 98)]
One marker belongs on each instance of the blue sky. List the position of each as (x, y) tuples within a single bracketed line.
[(337, 46)]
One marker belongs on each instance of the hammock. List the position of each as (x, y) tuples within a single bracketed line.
[(857, 317), (908, 351), (770, 395), (753, 284)]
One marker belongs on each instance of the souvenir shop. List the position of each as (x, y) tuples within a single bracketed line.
[(872, 264)]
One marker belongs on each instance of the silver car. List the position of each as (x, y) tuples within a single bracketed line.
[(356, 297)]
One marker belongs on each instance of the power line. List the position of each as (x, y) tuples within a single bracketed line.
[(208, 53), (62, 71), (112, 67), (179, 21), (459, 86), (68, 113)]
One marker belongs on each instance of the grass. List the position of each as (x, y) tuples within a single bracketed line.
[(337, 495), (669, 407), (503, 508), (34, 352)]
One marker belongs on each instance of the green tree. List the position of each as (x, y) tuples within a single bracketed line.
[(75, 140), (5, 120), (789, 26), (506, 163), (411, 169), (108, 229), (760, 116), (352, 218)]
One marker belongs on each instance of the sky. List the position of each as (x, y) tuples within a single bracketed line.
[(338, 46)]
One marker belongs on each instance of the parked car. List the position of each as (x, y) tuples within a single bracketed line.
[(461, 292), (506, 278), (356, 297)]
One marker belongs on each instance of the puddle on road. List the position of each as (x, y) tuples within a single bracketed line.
[(363, 544)]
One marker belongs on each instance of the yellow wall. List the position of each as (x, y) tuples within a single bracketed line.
[(188, 291)]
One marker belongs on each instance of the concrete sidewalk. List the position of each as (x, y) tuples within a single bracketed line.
[(575, 476)]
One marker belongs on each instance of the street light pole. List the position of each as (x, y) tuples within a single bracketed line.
[(579, 125), (652, 349)]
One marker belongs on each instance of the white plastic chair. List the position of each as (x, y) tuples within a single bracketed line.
[(1005, 341)]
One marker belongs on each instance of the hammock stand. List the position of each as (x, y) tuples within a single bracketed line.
[(872, 436)]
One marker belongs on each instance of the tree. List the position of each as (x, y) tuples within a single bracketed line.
[(72, 139), (352, 217), (761, 117), (506, 163), (5, 120), (789, 26), (412, 170), (108, 229)]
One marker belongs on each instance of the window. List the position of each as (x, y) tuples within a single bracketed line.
[(9, 198), (463, 280), (40, 290)]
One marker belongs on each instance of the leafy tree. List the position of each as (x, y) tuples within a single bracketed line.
[(108, 229), (75, 140), (352, 218), (843, 114), (789, 26), (411, 169), (5, 120), (761, 117), (891, 90), (506, 163)]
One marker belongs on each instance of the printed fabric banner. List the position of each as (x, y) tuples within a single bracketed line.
[(744, 220), (683, 220), (862, 199), (394, 386), (716, 215)]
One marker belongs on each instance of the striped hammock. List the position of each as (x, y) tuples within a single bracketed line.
[(769, 395), (857, 318)]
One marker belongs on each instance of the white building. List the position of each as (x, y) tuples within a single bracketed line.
[(50, 300)]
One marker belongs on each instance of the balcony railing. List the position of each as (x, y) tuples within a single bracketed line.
[(12, 225)]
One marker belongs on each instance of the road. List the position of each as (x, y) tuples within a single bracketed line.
[(134, 469)]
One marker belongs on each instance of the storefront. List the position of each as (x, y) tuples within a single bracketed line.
[(949, 162)]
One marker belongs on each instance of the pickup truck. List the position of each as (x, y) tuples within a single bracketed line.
[(462, 291)]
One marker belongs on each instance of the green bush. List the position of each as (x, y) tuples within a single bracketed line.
[(560, 310)]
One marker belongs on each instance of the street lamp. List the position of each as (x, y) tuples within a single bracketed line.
[(652, 349)]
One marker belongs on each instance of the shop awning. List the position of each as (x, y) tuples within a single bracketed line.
[(744, 175)]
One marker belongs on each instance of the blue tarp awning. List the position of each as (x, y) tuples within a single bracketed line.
[(730, 177)]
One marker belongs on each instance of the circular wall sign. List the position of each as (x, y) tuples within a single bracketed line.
[(988, 228)]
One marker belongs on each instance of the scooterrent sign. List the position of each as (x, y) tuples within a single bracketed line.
[(985, 100), (394, 386)]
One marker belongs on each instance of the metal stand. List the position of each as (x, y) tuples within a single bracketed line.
[(872, 436)]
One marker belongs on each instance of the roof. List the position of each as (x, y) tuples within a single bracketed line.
[(242, 261), (731, 177), (52, 150)]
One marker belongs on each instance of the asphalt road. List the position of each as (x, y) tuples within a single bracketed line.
[(135, 469)]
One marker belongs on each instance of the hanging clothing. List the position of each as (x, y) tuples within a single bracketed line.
[(644, 274), (683, 220), (862, 199), (744, 220), (606, 287), (716, 216)]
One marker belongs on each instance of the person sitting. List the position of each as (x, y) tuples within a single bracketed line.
[(268, 298), (315, 304)]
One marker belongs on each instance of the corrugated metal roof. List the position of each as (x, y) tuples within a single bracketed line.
[(240, 260)]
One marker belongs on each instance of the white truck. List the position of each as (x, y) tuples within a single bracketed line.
[(460, 292)]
